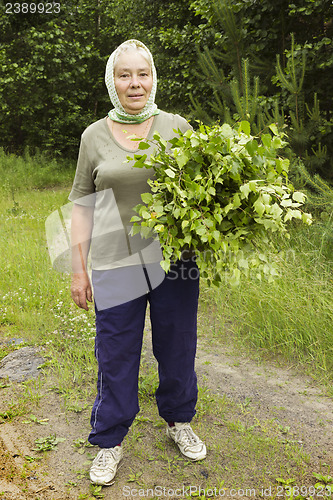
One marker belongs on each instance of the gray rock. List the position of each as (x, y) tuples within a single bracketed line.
[(21, 364)]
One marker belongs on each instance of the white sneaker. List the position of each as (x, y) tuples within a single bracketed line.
[(189, 444), (104, 466)]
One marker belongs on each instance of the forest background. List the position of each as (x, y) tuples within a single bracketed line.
[(257, 60)]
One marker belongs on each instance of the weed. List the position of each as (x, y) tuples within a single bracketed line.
[(48, 443), (71, 483), (324, 479), (285, 482), (8, 415), (4, 351), (134, 476), (148, 380), (81, 445), (81, 474), (96, 491), (33, 419), (15, 210), (30, 459), (205, 401), (325, 483)]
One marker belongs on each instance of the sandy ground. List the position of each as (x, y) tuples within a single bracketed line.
[(275, 392)]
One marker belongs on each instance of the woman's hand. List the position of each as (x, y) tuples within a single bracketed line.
[(81, 290)]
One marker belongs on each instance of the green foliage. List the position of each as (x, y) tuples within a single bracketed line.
[(310, 131), (218, 192), (238, 100), (258, 38), (48, 443), (245, 38), (52, 66)]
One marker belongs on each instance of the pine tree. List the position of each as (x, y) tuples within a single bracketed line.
[(236, 96), (236, 100), (307, 125)]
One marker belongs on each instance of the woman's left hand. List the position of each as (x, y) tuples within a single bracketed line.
[(81, 290)]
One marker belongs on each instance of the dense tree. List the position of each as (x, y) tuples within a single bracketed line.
[(52, 65), (47, 82)]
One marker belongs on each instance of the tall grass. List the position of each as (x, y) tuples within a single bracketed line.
[(291, 317), (19, 173)]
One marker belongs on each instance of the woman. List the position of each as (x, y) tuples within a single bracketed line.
[(125, 270)]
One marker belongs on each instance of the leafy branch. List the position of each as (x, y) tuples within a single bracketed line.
[(218, 192)]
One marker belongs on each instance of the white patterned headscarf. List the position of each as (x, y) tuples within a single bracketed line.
[(118, 113)]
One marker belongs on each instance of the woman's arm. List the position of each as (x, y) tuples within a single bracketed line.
[(81, 229)]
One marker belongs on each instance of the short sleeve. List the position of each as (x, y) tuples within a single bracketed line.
[(83, 184), (182, 124)]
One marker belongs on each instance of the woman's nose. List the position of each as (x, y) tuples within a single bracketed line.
[(135, 81)]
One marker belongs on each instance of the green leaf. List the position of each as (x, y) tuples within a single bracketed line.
[(181, 159), (245, 127), (145, 214), (147, 197), (287, 202), (259, 207), (266, 140), (245, 190), (165, 265), (274, 128), (144, 145), (170, 173), (252, 147), (276, 211), (299, 197)]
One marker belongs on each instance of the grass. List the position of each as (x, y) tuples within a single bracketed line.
[(290, 319), (19, 173)]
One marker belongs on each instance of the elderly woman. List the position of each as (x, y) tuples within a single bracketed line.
[(125, 270)]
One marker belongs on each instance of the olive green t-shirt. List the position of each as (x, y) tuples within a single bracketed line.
[(104, 180)]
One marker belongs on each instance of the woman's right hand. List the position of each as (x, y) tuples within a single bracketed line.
[(81, 290)]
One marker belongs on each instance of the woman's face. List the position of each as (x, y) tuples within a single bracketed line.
[(133, 81)]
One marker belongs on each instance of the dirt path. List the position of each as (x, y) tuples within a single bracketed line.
[(287, 397), (291, 398)]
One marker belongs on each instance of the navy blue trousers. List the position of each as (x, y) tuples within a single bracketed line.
[(119, 333)]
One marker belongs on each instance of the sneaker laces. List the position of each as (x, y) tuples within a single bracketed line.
[(186, 436), (104, 456)]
